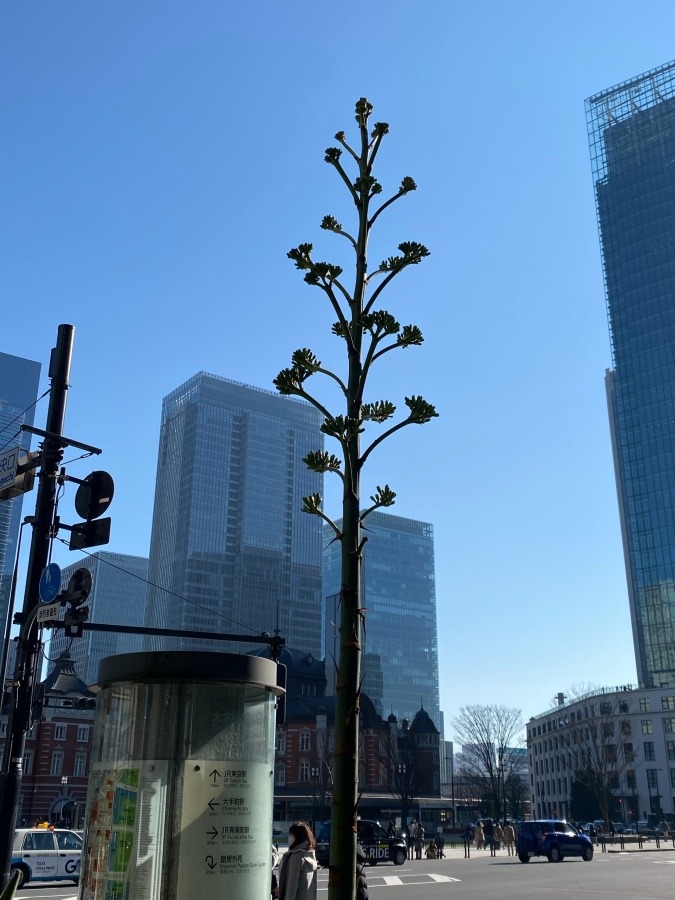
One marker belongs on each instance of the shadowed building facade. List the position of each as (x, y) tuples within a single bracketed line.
[(632, 138), (228, 533)]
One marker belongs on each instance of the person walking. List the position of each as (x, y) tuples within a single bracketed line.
[(499, 835), (419, 840), (411, 838), (489, 835), (297, 873), (479, 835), (361, 883), (509, 838), (440, 843)]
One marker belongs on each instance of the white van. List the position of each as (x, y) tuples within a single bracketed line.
[(43, 854)]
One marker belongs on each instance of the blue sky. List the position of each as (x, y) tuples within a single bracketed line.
[(160, 158)]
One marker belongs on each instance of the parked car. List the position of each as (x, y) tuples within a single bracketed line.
[(553, 838), (376, 843), (43, 854)]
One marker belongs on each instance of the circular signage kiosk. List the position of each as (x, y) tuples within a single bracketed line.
[(181, 779)]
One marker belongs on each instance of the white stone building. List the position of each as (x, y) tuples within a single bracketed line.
[(627, 732)]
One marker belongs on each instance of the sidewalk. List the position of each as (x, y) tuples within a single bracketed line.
[(457, 852)]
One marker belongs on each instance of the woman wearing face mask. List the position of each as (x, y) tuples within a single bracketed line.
[(297, 874)]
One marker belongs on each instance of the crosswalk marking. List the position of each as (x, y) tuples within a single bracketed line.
[(442, 879), (391, 880)]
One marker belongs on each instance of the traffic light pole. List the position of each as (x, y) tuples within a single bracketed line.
[(27, 657)]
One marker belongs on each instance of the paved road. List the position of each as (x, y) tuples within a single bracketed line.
[(648, 875)]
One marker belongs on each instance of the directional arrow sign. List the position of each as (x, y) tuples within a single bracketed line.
[(215, 775), (213, 832), (210, 863), (213, 804)]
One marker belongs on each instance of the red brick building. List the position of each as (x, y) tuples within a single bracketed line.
[(56, 761), (306, 742)]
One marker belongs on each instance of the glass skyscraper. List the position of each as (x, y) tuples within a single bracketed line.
[(19, 380), (228, 533), (400, 646), (632, 138), (118, 596)]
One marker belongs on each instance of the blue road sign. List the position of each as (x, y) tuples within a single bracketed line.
[(50, 582)]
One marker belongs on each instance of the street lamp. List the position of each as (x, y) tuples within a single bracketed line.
[(64, 787), (403, 771), (315, 776)]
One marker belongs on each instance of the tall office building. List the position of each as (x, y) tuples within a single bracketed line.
[(632, 138), (228, 533), (19, 380), (400, 647), (118, 597)]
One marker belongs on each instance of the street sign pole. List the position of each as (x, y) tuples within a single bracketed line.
[(27, 656)]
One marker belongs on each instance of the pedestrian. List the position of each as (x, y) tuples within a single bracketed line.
[(391, 830), (411, 838), (479, 835), (509, 838), (432, 850), (440, 843), (499, 835), (489, 834), (297, 873), (275, 863), (419, 840), (361, 883)]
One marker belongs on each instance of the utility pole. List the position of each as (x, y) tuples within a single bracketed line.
[(27, 657)]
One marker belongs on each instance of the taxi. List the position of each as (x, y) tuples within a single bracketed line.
[(44, 854), (377, 845)]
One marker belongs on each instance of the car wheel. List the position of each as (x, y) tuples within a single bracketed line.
[(587, 854), (524, 857), (400, 857), (554, 854), (24, 876)]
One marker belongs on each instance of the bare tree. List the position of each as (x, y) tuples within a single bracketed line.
[(398, 756), (488, 735), (368, 334)]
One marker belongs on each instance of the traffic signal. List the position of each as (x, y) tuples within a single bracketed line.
[(79, 588), (93, 497)]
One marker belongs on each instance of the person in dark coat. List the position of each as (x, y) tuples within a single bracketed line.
[(361, 883)]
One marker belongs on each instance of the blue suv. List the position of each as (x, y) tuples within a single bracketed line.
[(553, 838)]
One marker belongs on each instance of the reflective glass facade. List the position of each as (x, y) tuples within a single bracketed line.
[(400, 646), (19, 380), (632, 138), (228, 532), (118, 596)]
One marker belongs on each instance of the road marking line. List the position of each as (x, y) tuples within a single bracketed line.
[(442, 879), (391, 880)]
